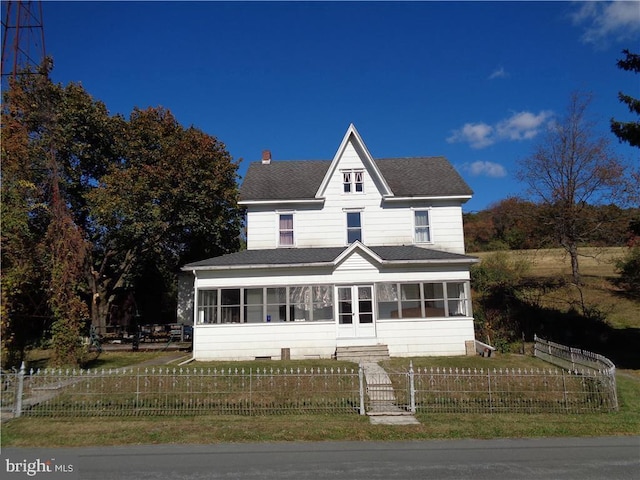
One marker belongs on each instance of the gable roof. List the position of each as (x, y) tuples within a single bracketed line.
[(328, 256), (352, 136), (306, 180), (301, 179)]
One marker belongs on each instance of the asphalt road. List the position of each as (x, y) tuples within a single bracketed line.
[(557, 458)]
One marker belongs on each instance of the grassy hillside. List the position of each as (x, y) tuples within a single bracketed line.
[(596, 316)]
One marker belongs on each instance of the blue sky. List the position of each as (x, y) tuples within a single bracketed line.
[(474, 81)]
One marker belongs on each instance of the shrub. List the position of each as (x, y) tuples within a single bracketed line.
[(628, 268)]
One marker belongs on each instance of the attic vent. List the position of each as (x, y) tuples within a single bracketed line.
[(266, 156)]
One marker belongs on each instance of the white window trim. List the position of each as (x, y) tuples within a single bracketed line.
[(352, 172), (346, 224), (293, 216), (429, 211)]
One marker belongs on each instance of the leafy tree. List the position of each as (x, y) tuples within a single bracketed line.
[(628, 131), (171, 199), (96, 208), (478, 230), (51, 155), (571, 167), (24, 309), (497, 285)]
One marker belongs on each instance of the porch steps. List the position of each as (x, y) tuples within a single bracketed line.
[(367, 353)]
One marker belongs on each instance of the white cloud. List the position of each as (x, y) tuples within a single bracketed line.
[(488, 169), (522, 125), (498, 73), (479, 135), (519, 126), (603, 21)]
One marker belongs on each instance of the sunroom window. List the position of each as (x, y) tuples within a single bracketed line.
[(422, 300), (208, 306), (265, 304)]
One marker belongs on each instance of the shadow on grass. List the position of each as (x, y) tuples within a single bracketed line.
[(586, 328), (620, 345)]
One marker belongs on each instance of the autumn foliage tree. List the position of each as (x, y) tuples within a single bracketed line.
[(171, 199), (90, 200)]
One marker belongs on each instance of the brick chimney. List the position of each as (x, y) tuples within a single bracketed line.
[(266, 157)]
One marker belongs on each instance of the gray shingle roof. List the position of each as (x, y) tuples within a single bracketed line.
[(304, 256), (300, 179), (422, 176), (283, 180)]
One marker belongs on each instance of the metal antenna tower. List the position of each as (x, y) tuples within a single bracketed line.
[(22, 38)]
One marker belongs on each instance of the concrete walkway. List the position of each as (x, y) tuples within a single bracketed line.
[(382, 399)]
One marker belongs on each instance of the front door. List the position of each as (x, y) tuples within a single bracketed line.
[(355, 312)]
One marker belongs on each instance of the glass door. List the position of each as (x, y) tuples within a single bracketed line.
[(355, 311)]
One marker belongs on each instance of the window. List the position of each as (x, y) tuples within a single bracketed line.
[(208, 306), (300, 302), (422, 230), (230, 303), (387, 296), (322, 307), (358, 180), (346, 182), (457, 299), (277, 304), (253, 305), (433, 300), (354, 227), (410, 300), (266, 304), (286, 230), (422, 300), (353, 181)]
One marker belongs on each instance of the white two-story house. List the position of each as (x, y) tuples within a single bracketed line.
[(353, 251)]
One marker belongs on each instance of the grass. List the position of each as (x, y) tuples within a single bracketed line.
[(206, 429), (597, 268), (593, 261)]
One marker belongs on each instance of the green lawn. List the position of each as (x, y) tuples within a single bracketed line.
[(623, 316), (68, 432)]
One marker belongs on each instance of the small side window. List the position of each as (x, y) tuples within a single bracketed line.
[(286, 230), (422, 228)]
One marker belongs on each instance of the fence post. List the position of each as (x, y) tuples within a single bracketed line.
[(361, 381), (489, 387), (412, 387), (20, 389)]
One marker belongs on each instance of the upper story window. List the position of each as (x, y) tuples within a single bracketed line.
[(422, 227), (353, 181), (285, 228), (354, 227)]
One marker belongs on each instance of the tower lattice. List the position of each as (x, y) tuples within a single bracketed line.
[(22, 38)]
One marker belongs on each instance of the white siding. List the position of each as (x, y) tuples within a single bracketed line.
[(248, 341), (324, 225), (383, 223), (404, 337), (415, 337)]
